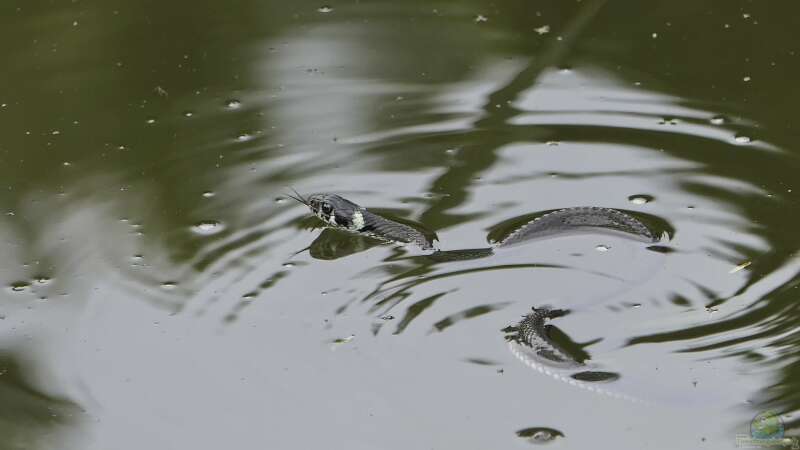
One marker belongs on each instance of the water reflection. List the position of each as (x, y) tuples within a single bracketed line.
[(30, 417)]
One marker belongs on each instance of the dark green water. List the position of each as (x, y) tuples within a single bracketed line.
[(161, 291)]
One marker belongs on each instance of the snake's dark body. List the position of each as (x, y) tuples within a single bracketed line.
[(530, 339)]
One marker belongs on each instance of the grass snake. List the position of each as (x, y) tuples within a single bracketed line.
[(533, 340)]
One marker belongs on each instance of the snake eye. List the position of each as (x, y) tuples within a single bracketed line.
[(327, 209)]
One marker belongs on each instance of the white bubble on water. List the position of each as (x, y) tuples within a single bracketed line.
[(640, 199), (208, 227)]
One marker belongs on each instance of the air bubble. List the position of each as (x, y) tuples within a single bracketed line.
[(640, 199), (717, 120), (233, 104), (150, 121), (188, 114), (208, 227), (244, 137), (19, 286), (168, 285), (602, 248), (741, 139), (208, 194), (325, 9)]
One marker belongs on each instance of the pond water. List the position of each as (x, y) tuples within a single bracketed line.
[(163, 291)]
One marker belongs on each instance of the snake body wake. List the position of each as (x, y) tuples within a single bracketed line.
[(530, 339)]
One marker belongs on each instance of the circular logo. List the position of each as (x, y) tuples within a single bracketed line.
[(767, 425)]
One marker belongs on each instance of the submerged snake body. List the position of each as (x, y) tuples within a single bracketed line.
[(570, 220), (529, 340)]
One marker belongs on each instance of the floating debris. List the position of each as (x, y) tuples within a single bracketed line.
[(233, 104), (543, 29), (741, 139), (481, 18), (325, 9), (602, 248), (740, 267), (341, 341), (539, 435)]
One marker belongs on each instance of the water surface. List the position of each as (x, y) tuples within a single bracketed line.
[(162, 291)]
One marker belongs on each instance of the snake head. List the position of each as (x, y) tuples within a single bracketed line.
[(335, 210)]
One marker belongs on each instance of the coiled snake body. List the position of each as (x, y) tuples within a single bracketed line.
[(530, 339)]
